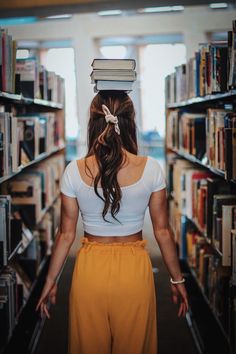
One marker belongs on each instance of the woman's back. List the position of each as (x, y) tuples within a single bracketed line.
[(138, 177), (130, 172)]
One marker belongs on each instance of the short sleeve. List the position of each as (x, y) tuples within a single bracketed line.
[(159, 181), (66, 185)]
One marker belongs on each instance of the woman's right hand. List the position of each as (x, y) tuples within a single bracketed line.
[(179, 295)]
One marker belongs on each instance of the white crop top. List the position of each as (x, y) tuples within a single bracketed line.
[(133, 204)]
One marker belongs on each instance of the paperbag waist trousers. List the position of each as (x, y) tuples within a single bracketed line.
[(112, 301)]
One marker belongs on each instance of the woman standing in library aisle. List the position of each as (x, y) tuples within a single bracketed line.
[(112, 303)]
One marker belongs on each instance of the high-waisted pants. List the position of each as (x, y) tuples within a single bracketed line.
[(112, 301)]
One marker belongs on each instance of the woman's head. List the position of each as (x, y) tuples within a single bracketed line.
[(107, 145), (120, 105)]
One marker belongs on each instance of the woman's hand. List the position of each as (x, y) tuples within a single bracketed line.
[(48, 294), (179, 294)]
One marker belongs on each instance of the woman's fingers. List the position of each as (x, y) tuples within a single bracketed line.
[(182, 309), (179, 294), (39, 304), (46, 310)]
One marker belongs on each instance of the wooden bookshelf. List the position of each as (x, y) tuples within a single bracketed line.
[(193, 159), (18, 103), (195, 105), (208, 100), (40, 158), (19, 99), (194, 275)]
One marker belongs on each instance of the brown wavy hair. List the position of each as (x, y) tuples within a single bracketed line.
[(106, 145)]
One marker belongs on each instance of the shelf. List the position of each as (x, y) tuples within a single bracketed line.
[(204, 234), (40, 268), (192, 271), (41, 157), (42, 216), (206, 99), (28, 101), (15, 251), (41, 322), (193, 159)]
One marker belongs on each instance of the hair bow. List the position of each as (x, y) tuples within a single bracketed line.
[(110, 118)]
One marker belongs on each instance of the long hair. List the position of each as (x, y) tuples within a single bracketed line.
[(106, 145)]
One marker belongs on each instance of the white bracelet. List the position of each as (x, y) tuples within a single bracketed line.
[(177, 281)]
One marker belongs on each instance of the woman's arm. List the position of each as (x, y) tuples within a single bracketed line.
[(163, 232), (64, 237), (63, 242), (166, 242)]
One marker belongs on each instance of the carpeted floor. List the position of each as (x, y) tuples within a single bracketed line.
[(174, 336)]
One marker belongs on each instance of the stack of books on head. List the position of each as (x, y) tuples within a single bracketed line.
[(113, 74)]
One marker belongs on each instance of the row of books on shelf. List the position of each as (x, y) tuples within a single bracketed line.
[(25, 198), (212, 70), (210, 137), (23, 138), (27, 76), (17, 279), (203, 217), (214, 280), (207, 200)]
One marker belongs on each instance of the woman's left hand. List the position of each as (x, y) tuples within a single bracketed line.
[(179, 295), (48, 294)]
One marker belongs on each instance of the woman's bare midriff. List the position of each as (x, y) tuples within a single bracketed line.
[(107, 239)]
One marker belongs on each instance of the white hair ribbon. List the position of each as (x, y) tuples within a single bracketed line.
[(110, 118)]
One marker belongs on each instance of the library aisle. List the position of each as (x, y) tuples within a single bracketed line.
[(173, 332)]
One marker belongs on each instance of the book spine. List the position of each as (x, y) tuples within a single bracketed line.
[(233, 258)]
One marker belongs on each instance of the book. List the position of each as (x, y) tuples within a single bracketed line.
[(26, 194), (7, 61), (232, 59), (8, 308), (114, 64), (228, 223), (193, 177), (230, 145), (187, 132), (218, 202), (181, 83), (43, 82), (6, 140), (215, 142), (30, 134), (233, 257), (113, 75), (28, 71), (5, 229), (113, 85), (215, 185)]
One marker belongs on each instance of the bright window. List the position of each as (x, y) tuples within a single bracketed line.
[(62, 61), (114, 52), (157, 61)]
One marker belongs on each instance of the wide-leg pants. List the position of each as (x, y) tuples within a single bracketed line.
[(112, 301)]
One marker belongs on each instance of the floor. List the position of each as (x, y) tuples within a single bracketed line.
[(174, 336)]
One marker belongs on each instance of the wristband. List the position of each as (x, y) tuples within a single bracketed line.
[(177, 281)]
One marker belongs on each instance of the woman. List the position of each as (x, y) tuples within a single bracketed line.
[(112, 304)]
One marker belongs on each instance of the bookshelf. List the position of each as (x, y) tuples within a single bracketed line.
[(219, 99), (32, 160), (201, 180)]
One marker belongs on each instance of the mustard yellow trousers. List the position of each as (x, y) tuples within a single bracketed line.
[(112, 301)]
